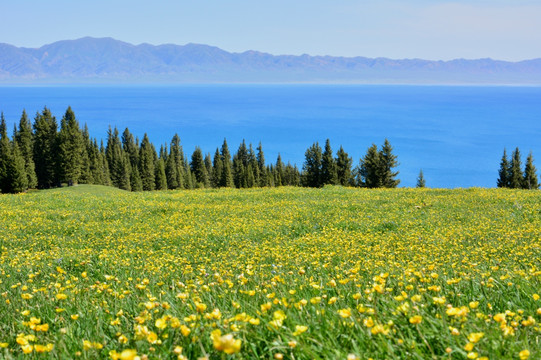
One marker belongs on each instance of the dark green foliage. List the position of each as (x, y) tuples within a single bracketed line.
[(46, 149), (129, 145), (516, 177), (147, 156), (199, 169), (279, 172), (530, 174), (71, 148), (118, 162), (343, 168), (292, 176), (161, 179), (311, 169), (369, 169), (24, 138), (329, 173), (263, 174), (421, 183), (174, 167), (208, 166), (227, 174), (387, 163), (504, 172), (217, 169), (13, 177)]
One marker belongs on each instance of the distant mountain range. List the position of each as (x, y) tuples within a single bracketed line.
[(106, 60)]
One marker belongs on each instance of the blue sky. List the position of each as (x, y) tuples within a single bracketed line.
[(429, 29)]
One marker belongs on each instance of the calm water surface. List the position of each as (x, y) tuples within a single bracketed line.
[(455, 134)]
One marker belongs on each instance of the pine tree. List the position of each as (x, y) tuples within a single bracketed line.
[(311, 169), (343, 167), (46, 149), (530, 174), (254, 167), (161, 179), (227, 174), (86, 174), (217, 169), (199, 169), (71, 148), (263, 176), (516, 177), (13, 178), (174, 169), (421, 183), (129, 145), (208, 165), (24, 139), (369, 169), (146, 164), (17, 172), (387, 163), (504, 172), (328, 166), (279, 172)]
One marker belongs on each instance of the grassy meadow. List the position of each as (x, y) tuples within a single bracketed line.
[(93, 272)]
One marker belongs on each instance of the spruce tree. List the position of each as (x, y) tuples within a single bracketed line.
[(530, 174), (279, 172), (129, 145), (71, 148), (369, 169), (175, 169), (504, 172), (263, 176), (516, 177), (387, 163), (46, 149), (343, 167), (5, 157), (146, 164), (217, 169), (421, 183), (199, 169), (311, 169), (208, 165), (86, 173), (24, 139), (17, 171), (161, 179), (227, 174), (329, 174)]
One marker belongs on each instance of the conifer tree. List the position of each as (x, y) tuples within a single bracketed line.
[(516, 177), (279, 172), (254, 166), (199, 169), (227, 175), (86, 173), (71, 148), (46, 149), (17, 171), (343, 167), (208, 166), (387, 163), (217, 169), (146, 164), (13, 178), (369, 169), (129, 145), (311, 169), (504, 172), (421, 183), (263, 176), (161, 179), (24, 138), (530, 174), (328, 166), (175, 169)]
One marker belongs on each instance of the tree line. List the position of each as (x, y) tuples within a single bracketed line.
[(511, 175), (44, 154)]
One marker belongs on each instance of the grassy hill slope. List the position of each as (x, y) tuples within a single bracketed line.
[(304, 273)]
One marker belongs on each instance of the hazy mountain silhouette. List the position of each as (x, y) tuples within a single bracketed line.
[(107, 60)]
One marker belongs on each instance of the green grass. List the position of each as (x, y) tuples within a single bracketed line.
[(356, 267)]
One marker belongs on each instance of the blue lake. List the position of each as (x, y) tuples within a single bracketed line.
[(455, 134)]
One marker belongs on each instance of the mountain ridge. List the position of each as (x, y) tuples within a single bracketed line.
[(106, 60)]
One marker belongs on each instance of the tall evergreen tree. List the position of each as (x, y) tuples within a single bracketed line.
[(71, 148), (13, 178), (217, 169), (25, 140), (161, 179), (387, 163), (146, 164), (421, 183), (263, 175), (46, 149), (516, 177), (369, 169), (311, 169), (198, 168), (175, 169), (227, 174), (208, 165), (129, 145), (530, 174), (329, 174), (279, 172), (343, 167), (504, 172)]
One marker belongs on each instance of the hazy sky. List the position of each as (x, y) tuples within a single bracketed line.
[(430, 29)]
